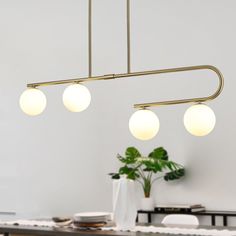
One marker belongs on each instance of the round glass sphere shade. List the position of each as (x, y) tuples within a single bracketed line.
[(199, 120), (76, 97), (144, 124), (33, 101)]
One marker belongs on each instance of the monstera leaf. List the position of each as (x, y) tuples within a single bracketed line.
[(131, 173), (114, 175), (152, 165), (173, 175), (131, 155), (159, 154)]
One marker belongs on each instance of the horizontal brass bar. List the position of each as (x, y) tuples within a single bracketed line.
[(144, 73), (71, 81)]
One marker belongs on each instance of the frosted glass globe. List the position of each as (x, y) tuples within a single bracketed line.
[(144, 124), (199, 120), (76, 97), (33, 101)]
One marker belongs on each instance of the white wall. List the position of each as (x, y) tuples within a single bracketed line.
[(57, 163)]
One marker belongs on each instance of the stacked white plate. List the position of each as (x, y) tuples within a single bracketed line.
[(91, 218)]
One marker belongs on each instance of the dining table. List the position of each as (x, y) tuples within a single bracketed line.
[(20, 230)]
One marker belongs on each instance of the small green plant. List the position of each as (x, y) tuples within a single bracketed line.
[(144, 169)]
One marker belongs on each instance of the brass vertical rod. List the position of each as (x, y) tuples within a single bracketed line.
[(90, 38), (128, 36)]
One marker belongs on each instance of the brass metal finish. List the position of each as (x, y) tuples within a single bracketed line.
[(189, 100), (90, 38), (128, 36), (145, 73), (132, 74)]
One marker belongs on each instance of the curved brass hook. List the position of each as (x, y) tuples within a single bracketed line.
[(190, 100)]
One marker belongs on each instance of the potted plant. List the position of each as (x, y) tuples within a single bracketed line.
[(145, 170)]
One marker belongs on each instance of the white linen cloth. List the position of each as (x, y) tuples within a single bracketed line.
[(40, 223), (144, 229), (178, 231)]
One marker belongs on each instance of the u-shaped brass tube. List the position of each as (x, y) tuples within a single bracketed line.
[(189, 100), (144, 73)]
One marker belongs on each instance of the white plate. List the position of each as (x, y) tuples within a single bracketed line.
[(92, 216)]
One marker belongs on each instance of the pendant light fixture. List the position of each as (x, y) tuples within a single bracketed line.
[(144, 124), (33, 101), (199, 119), (76, 97)]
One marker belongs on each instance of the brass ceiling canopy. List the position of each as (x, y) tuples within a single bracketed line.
[(129, 73)]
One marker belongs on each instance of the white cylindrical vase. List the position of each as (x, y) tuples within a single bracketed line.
[(124, 207), (147, 204)]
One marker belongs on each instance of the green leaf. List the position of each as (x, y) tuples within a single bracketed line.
[(132, 152), (131, 155), (120, 158), (173, 175), (170, 165), (159, 153), (114, 175), (132, 175), (125, 170), (130, 172), (152, 165)]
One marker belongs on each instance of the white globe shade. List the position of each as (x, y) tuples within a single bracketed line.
[(144, 124), (33, 101), (199, 120), (76, 98)]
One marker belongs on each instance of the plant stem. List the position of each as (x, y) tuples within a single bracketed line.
[(159, 177), (147, 187), (140, 182), (142, 173)]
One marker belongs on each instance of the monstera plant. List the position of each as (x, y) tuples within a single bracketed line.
[(148, 169)]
